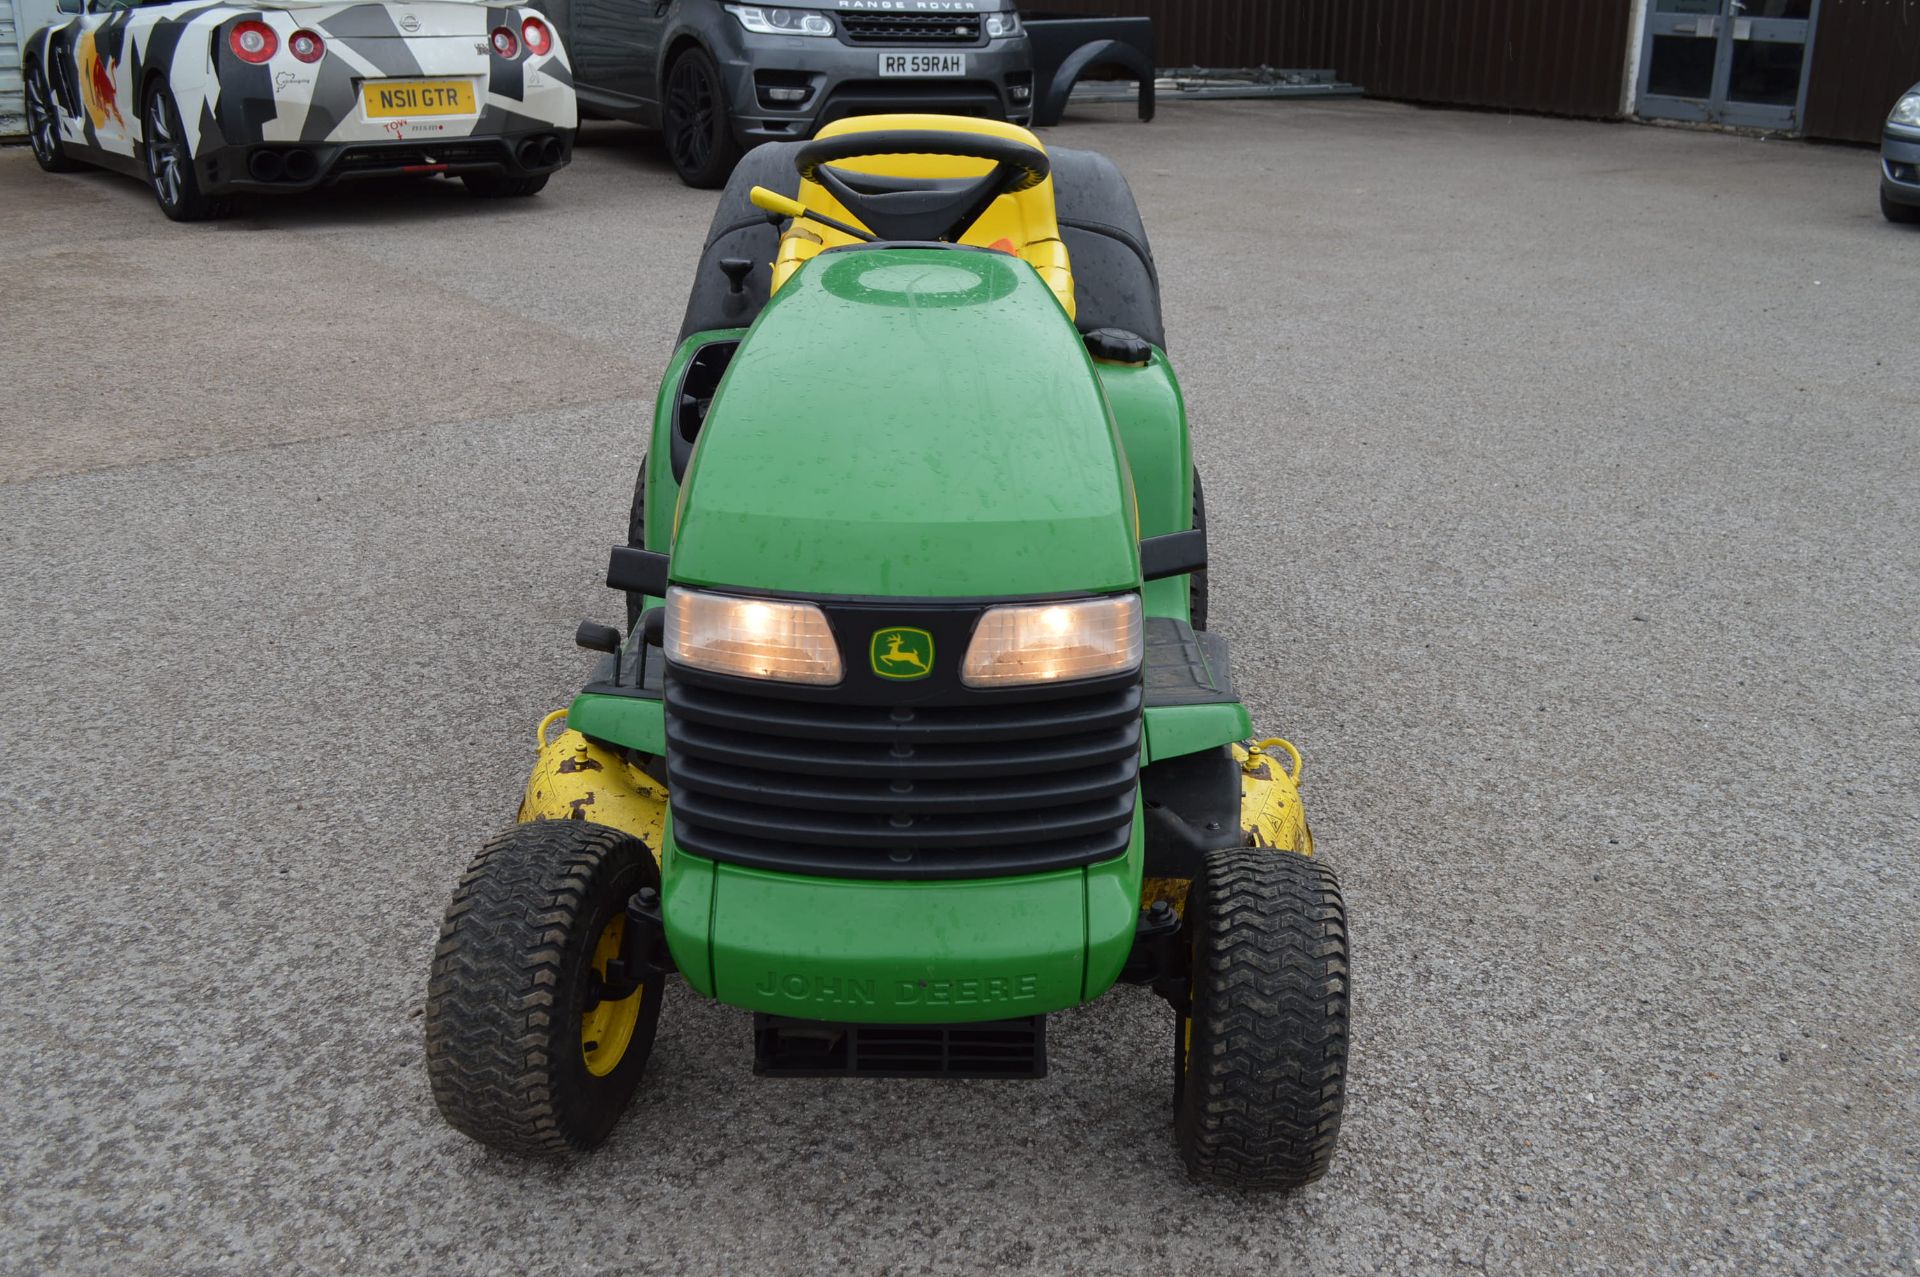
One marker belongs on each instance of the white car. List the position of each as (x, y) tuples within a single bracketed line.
[(206, 100)]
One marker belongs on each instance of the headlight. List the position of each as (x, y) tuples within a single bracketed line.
[(1054, 642), (769, 21), (751, 638), (1003, 24), (1906, 111)]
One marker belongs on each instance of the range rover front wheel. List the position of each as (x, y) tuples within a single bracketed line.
[(698, 125)]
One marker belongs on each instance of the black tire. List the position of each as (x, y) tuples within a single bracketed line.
[(738, 229), (503, 186), (1197, 581), (43, 124), (513, 978), (1905, 214), (1261, 1077), (697, 123), (1114, 281), (637, 537), (170, 171)]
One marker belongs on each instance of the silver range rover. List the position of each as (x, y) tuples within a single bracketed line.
[(717, 77)]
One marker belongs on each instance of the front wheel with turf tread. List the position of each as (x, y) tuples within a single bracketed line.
[(1262, 1052), (515, 978)]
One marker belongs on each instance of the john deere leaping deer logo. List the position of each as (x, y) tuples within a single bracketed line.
[(902, 652)]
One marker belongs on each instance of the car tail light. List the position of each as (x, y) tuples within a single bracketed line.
[(537, 37), (306, 45), (503, 42), (253, 41)]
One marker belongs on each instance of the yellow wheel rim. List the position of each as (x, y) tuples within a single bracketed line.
[(607, 1030)]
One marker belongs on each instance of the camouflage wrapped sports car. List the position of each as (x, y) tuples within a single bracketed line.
[(205, 100)]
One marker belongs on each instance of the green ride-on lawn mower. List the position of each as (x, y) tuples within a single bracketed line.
[(917, 733)]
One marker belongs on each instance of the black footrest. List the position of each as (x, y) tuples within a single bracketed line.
[(786, 1047), (1186, 666)]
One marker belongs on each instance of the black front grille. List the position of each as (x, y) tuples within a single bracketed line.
[(991, 786), (911, 28), (881, 97)]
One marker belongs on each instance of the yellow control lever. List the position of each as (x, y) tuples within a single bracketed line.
[(779, 205), (775, 202)]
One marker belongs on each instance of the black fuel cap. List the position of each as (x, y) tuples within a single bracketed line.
[(1118, 346)]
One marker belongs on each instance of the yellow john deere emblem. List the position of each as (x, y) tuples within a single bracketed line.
[(902, 652)]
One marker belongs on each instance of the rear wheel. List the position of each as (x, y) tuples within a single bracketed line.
[(698, 125), (170, 165), (523, 1051), (1904, 213), (1261, 1054), (43, 123), (637, 538), (1197, 581), (503, 186)]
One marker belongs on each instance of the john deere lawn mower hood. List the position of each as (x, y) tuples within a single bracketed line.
[(898, 424)]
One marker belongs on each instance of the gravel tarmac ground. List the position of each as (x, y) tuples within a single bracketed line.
[(1565, 503)]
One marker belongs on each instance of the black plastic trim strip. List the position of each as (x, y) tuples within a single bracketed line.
[(935, 725), (932, 796), (631, 568), (876, 760), (925, 866), (876, 831), (1173, 554)]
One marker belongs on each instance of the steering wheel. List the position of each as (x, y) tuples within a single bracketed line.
[(926, 208)]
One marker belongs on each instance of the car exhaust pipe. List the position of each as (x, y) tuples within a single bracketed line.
[(301, 166), (540, 151), (266, 166)]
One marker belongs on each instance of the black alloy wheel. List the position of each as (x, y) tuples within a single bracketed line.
[(43, 123), (699, 128), (170, 165)]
